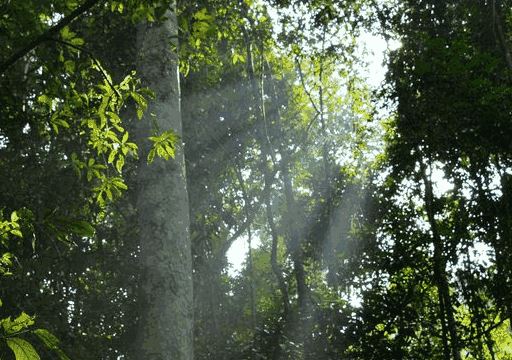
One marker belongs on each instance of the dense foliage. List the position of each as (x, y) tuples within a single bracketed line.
[(377, 221)]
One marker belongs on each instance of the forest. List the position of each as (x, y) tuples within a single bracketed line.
[(255, 179)]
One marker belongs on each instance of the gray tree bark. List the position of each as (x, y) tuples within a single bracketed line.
[(166, 317)]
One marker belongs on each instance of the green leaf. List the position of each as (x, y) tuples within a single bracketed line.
[(66, 33), (139, 99), (82, 228), (169, 150), (16, 232), (202, 15), (140, 112), (6, 259), (112, 156), (44, 99), (113, 117), (100, 200), (23, 321), (161, 152), (77, 41), (148, 92), (237, 57), (91, 123), (22, 349), (109, 194), (48, 339), (69, 65), (51, 342), (14, 326), (112, 136), (151, 155), (71, 4), (118, 182), (120, 163)]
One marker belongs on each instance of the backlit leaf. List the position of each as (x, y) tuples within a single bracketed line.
[(22, 349)]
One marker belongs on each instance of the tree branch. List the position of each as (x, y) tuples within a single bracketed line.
[(45, 36), (303, 82), (241, 229), (94, 59), (486, 331)]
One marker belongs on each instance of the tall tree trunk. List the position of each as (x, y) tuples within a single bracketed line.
[(166, 310), (440, 277)]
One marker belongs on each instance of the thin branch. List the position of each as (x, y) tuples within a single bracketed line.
[(303, 82), (45, 36), (94, 59), (241, 229), (486, 331)]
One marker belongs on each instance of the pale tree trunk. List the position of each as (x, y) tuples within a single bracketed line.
[(166, 311)]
